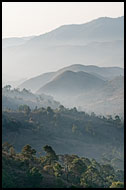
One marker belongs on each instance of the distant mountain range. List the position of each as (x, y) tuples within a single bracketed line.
[(104, 73), (99, 42), (15, 41), (101, 29), (72, 53), (90, 88), (72, 83)]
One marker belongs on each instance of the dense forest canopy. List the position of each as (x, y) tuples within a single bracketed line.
[(90, 147), (68, 130), (25, 169)]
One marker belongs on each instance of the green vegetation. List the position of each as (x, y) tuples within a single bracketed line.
[(26, 170), (50, 154), (28, 152), (96, 137), (77, 137)]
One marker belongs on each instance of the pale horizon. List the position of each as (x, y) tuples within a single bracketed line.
[(25, 19), (50, 16)]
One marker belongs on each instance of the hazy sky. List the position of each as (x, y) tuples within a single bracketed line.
[(34, 18)]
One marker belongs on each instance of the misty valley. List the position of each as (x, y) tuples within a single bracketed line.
[(63, 118)]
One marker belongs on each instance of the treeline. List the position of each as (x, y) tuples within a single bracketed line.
[(117, 120), (68, 130), (32, 169), (13, 98)]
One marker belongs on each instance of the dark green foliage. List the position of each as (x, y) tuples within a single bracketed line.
[(6, 146), (63, 128), (92, 178), (28, 152), (50, 153), (68, 131), (57, 169), (68, 171), (78, 166), (34, 178)]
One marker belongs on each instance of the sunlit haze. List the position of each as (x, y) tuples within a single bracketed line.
[(34, 18), (30, 19)]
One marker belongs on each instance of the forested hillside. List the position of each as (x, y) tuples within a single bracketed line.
[(13, 98), (68, 130), (26, 170)]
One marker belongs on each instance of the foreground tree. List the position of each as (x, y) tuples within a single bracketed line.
[(78, 166), (28, 151), (6, 146), (57, 169), (50, 154)]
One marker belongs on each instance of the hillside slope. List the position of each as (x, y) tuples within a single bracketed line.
[(68, 130), (12, 99), (68, 83), (103, 73), (109, 99)]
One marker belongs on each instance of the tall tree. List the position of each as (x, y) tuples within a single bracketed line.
[(28, 151)]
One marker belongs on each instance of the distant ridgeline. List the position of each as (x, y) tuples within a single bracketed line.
[(99, 42), (26, 170), (89, 88), (13, 98)]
